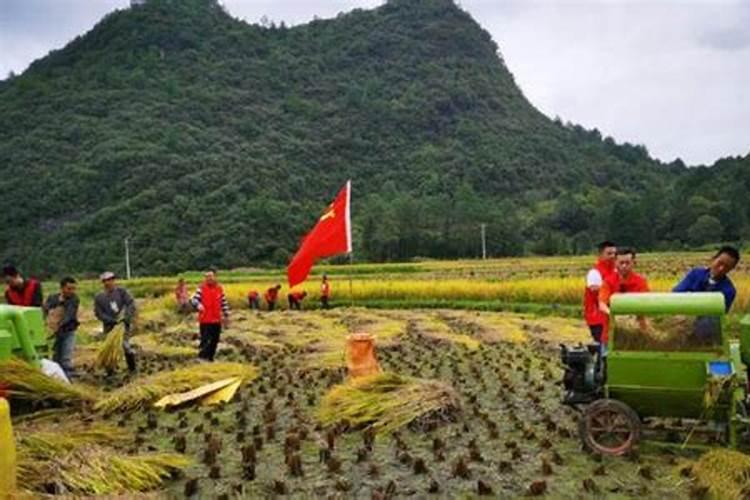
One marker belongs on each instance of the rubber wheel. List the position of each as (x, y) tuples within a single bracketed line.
[(609, 427)]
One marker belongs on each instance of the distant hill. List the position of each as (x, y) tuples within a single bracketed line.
[(211, 141)]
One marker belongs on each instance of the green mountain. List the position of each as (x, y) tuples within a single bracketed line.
[(211, 141)]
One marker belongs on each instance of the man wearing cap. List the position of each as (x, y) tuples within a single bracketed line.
[(21, 291), (112, 305)]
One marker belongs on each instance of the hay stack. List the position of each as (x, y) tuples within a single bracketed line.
[(144, 391), (726, 473), (387, 401)]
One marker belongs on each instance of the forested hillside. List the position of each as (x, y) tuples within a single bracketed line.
[(211, 141)]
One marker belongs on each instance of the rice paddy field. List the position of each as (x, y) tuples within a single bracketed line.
[(467, 402)]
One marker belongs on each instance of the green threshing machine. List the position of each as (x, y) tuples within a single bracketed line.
[(22, 333), (691, 371)]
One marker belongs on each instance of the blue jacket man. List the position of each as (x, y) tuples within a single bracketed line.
[(714, 277)]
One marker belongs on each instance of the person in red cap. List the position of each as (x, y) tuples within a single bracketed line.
[(295, 300), (213, 313), (20, 291)]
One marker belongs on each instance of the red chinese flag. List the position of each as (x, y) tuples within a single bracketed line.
[(332, 235)]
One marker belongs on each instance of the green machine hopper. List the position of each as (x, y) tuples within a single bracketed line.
[(669, 356), (22, 333)]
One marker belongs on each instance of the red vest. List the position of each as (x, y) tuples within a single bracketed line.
[(297, 296), (325, 289), (211, 300), (591, 312), (23, 297), (634, 283), (271, 295)]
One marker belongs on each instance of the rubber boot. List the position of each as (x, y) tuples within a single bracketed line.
[(130, 360)]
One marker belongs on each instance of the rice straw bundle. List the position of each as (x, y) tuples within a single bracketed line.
[(28, 382), (726, 473), (147, 390), (53, 440), (102, 471), (111, 353), (386, 401)]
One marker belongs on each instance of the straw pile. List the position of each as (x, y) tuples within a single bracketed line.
[(28, 382), (667, 333), (111, 354), (52, 440), (101, 471), (144, 391), (387, 401), (725, 473)]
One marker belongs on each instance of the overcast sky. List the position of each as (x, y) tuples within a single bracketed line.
[(672, 75)]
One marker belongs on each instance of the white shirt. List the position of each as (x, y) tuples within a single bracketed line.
[(594, 279)]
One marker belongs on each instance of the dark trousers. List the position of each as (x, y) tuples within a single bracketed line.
[(63, 351), (271, 306), (210, 333), (324, 302), (294, 304)]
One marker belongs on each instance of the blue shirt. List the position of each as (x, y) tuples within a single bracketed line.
[(699, 280)]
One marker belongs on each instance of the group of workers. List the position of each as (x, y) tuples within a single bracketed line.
[(614, 273), (213, 307), (112, 305)]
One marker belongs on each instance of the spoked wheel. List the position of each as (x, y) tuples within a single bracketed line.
[(609, 427)]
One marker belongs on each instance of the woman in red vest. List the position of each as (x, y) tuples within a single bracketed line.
[(20, 291), (213, 313)]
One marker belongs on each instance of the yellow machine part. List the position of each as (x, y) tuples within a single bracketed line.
[(7, 453)]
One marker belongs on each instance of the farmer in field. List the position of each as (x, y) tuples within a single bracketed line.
[(325, 292), (295, 300), (115, 305), (713, 278), (20, 291), (604, 267), (182, 297), (61, 311), (271, 296), (213, 313), (253, 300)]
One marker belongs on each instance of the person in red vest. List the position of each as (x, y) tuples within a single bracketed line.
[(213, 313), (623, 280), (295, 300), (271, 296), (253, 300), (21, 291), (325, 292), (604, 267)]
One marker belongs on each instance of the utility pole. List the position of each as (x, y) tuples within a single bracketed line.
[(484, 241), (127, 257)]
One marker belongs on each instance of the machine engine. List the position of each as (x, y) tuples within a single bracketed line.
[(584, 373)]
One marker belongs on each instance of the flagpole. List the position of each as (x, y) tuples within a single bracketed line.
[(349, 239), (351, 286)]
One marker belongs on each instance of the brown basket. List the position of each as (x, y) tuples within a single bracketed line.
[(360, 355)]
